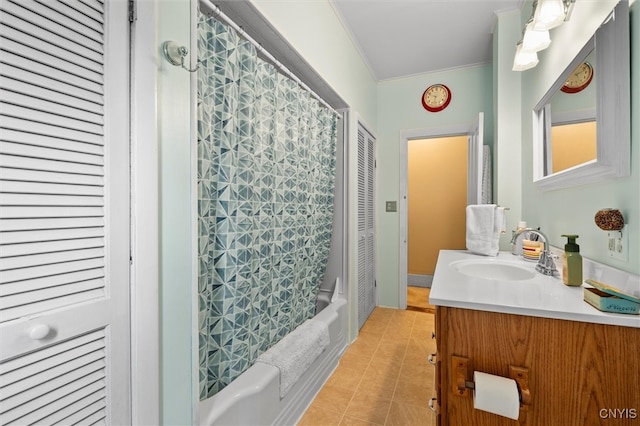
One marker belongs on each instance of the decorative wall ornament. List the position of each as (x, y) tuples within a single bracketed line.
[(609, 219)]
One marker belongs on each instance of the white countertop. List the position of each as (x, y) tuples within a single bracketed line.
[(540, 296)]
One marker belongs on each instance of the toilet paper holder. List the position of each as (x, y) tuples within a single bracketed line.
[(461, 385)]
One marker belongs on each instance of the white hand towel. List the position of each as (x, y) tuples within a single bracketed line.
[(483, 229)]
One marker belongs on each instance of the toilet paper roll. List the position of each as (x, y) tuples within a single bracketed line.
[(497, 395)]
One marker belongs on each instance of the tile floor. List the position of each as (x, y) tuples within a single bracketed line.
[(418, 299), (384, 377)]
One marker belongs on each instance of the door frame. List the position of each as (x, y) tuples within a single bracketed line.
[(403, 211), (145, 219)]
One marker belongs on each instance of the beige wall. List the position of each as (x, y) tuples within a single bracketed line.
[(573, 144), (437, 197)]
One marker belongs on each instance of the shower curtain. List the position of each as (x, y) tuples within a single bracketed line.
[(266, 167)]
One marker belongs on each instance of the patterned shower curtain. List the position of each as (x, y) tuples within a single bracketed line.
[(266, 167)]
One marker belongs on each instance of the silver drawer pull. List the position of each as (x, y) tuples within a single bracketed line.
[(432, 405), (432, 359)]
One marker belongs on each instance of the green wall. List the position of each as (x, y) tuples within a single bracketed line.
[(572, 210), (507, 99), (176, 218), (400, 109), (507, 150), (315, 31), (388, 108)]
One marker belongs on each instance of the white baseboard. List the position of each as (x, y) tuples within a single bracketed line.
[(415, 280)]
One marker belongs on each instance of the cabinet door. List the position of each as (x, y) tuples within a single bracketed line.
[(64, 217), (573, 378), (440, 336)]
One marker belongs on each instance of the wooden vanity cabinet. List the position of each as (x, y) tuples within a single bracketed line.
[(437, 375), (579, 373)]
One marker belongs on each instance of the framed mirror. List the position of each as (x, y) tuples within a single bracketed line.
[(581, 126), (571, 110)]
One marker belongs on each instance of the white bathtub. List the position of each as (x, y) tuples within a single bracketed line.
[(254, 397), (324, 299)]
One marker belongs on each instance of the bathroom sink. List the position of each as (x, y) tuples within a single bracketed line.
[(493, 270)]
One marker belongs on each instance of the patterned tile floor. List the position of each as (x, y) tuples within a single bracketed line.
[(384, 377)]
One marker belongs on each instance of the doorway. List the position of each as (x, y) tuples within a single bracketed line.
[(471, 157), (437, 197)]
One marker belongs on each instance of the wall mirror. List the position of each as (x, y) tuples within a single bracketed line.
[(581, 126)]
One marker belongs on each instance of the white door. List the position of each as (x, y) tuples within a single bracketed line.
[(366, 225), (64, 212), (474, 174)]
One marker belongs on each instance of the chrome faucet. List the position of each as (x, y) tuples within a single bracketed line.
[(545, 265)]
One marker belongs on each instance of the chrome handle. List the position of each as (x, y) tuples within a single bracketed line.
[(431, 359), (431, 404)]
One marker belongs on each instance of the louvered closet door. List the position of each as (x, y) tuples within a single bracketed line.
[(366, 220), (64, 212), (370, 302)]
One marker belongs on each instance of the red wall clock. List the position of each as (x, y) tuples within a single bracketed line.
[(436, 98), (579, 79)]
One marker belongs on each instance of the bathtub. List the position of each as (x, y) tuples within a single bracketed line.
[(254, 397), (324, 300)]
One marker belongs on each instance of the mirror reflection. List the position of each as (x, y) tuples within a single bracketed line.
[(572, 109), (601, 78)]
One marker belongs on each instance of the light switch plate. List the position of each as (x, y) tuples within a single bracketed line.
[(391, 206)]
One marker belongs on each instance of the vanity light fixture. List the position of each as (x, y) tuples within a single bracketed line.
[(524, 59), (535, 41), (546, 14)]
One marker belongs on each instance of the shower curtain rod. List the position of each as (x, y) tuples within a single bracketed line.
[(216, 10)]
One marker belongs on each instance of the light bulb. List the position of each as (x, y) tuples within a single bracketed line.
[(549, 14), (524, 60), (535, 41)]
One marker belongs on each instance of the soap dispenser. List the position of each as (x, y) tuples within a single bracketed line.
[(571, 262)]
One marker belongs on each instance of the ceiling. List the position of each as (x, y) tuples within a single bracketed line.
[(400, 38)]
